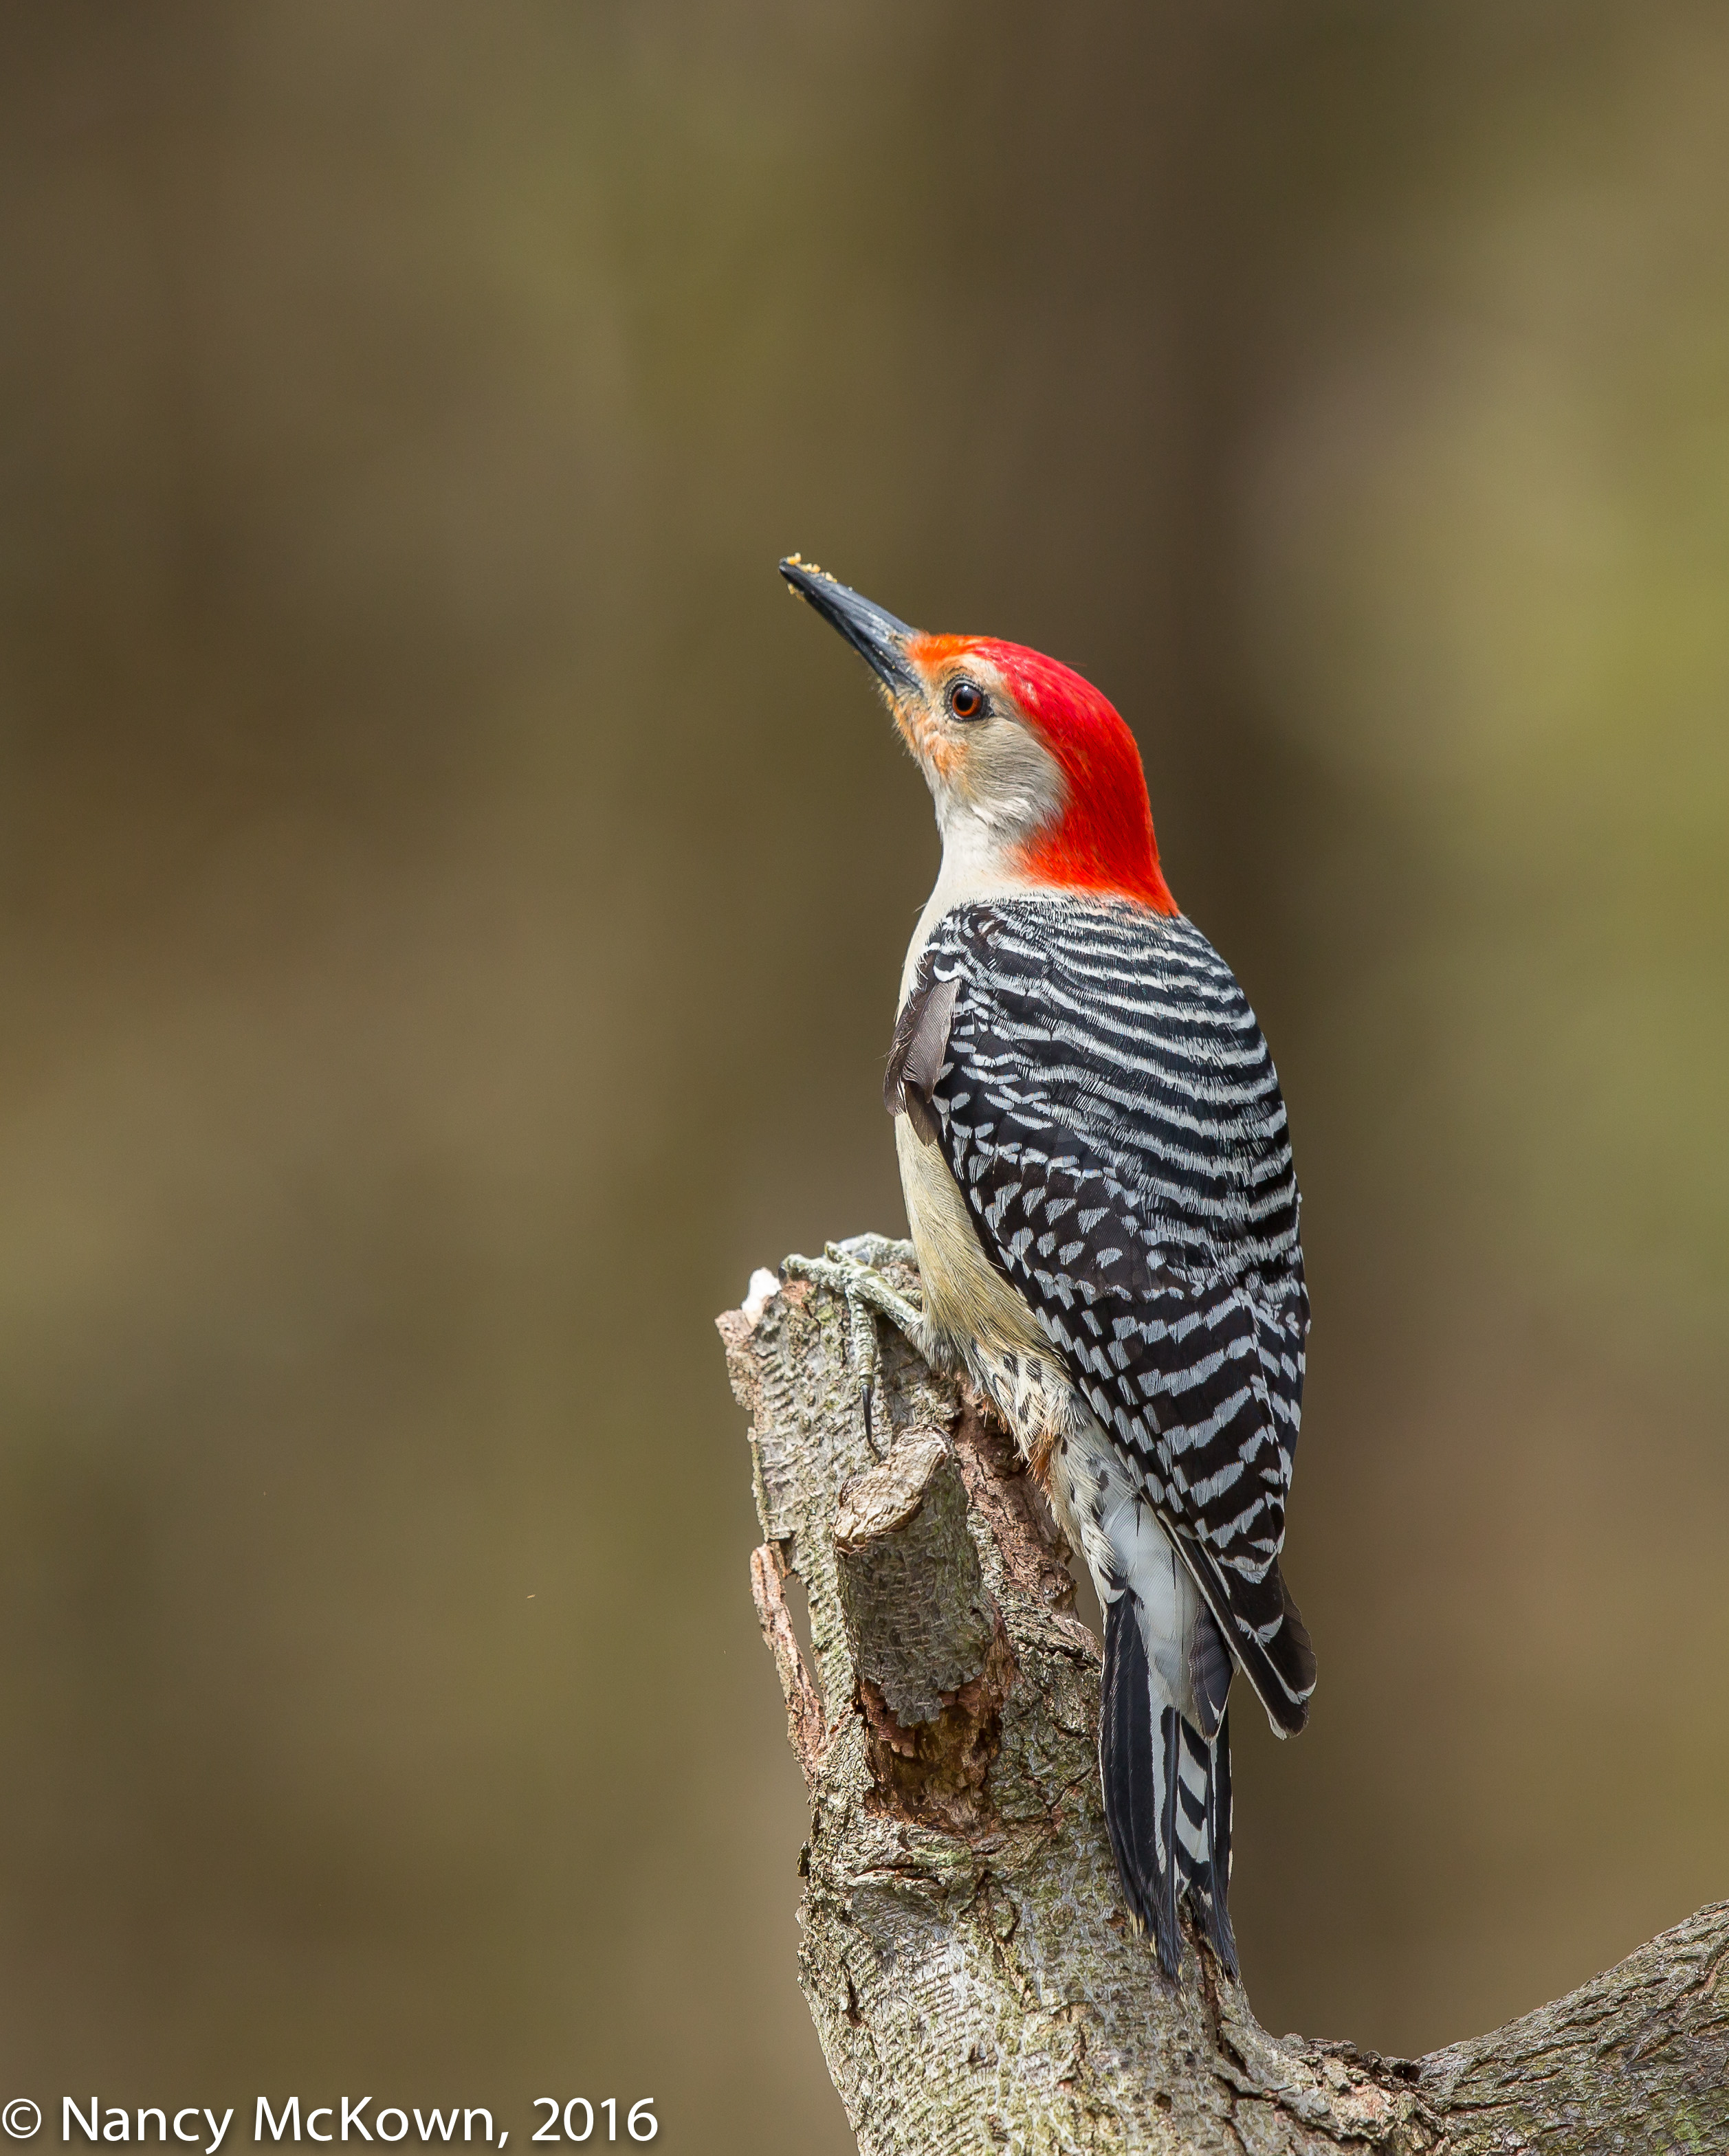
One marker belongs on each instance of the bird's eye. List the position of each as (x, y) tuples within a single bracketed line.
[(966, 700)]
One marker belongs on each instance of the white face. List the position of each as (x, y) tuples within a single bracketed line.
[(996, 783), (989, 773)]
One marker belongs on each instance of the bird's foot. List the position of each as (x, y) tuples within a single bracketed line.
[(851, 1270)]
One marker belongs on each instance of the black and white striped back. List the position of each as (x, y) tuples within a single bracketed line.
[(1108, 1106)]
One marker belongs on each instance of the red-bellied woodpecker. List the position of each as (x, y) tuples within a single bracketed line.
[(1098, 1180)]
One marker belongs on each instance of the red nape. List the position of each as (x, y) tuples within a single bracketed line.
[(1105, 841)]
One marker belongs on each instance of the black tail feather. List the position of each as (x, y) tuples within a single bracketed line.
[(1170, 1945), (1125, 1744), (1141, 1826), (1168, 1835), (1216, 1906)]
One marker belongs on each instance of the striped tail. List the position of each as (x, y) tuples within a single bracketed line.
[(1167, 1797)]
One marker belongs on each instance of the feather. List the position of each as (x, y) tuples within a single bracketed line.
[(1110, 1114), (915, 1059)]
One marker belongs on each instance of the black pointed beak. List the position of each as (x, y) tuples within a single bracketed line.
[(876, 635)]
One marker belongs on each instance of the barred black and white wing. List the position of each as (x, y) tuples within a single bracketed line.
[(1107, 1104)]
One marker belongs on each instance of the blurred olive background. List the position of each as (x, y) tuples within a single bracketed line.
[(451, 900)]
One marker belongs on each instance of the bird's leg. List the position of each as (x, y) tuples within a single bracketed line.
[(851, 1270)]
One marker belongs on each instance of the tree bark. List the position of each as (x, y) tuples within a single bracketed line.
[(974, 1979)]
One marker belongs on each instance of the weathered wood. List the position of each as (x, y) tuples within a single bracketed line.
[(919, 1620), (974, 1980), (932, 1658)]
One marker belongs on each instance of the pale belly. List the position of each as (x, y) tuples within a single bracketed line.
[(965, 1297)]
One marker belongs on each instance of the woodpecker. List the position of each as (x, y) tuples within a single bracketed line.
[(1098, 1180)]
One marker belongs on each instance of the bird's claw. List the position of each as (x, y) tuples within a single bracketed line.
[(850, 1270), (875, 1251)]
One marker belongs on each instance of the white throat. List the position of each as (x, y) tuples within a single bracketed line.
[(977, 858)]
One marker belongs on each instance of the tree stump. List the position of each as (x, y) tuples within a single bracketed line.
[(975, 1983)]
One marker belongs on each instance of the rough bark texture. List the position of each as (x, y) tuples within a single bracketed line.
[(975, 1982)]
